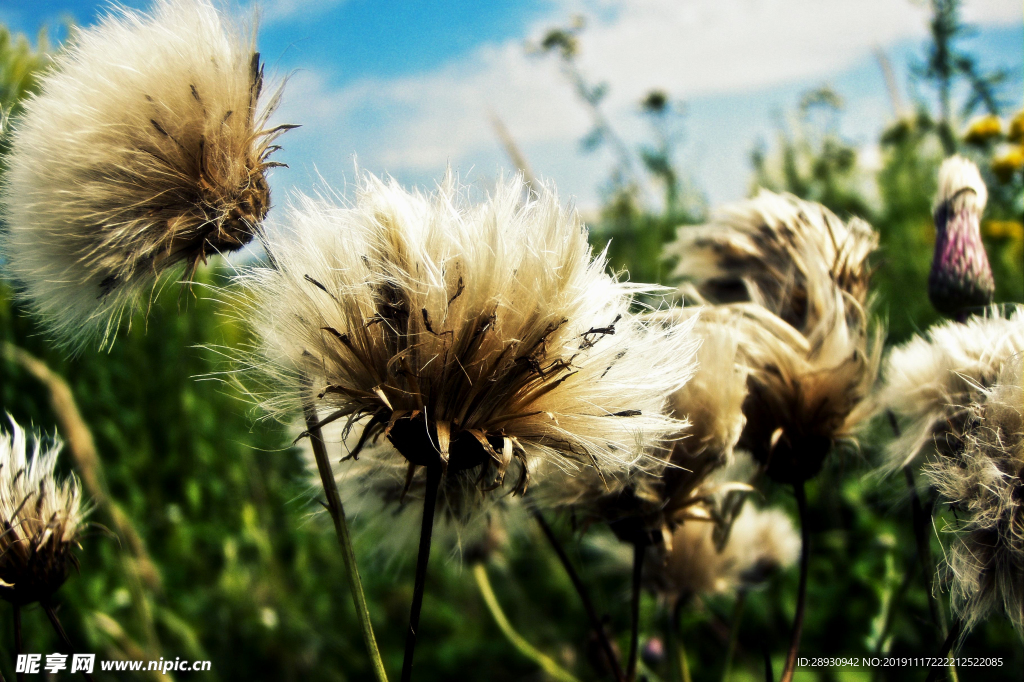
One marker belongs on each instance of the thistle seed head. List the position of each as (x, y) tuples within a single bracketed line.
[(984, 484), (930, 381), (768, 250), (147, 147), (761, 543), (40, 520), (479, 338)]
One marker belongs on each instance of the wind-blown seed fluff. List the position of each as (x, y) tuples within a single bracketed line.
[(798, 280), (766, 250), (145, 148), (471, 337), (647, 506), (40, 520), (984, 483), (930, 380)]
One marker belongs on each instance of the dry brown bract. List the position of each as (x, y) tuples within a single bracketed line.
[(146, 148)]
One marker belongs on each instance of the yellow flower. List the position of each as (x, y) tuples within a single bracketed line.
[(1008, 163), (983, 129), (1016, 132)]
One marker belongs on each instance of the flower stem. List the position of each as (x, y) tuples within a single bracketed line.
[(422, 557), (676, 627), (801, 600), (546, 663), (59, 629), (17, 639), (639, 550), (936, 671), (919, 518), (337, 512), (734, 633), (581, 590)]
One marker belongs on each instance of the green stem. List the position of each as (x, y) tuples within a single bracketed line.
[(920, 519), (639, 549), (59, 629), (677, 628), (17, 639), (546, 663), (734, 634), (337, 511), (581, 590)]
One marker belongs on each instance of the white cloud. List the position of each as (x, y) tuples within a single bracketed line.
[(412, 126)]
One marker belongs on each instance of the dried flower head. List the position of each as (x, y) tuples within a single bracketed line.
[(806, 394), (480, 338), (762, 542), (984, 483), (960, 278), (145, 148), (40, 520), (930, 380), (646, 506), (767, 250), (799, 280)]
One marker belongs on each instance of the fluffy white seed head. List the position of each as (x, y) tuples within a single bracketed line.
[(762, 542), (483, 338), (769, 250), (984, 483), (40, 520), (930, 380), (144, 149)]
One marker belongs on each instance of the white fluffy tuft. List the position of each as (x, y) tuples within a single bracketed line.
[(40, 519), (984, 483), (960, 180), (761, 543), (484, 335), (930, 380), (143, 150)]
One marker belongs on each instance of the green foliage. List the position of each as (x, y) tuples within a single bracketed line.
[(813, 161)]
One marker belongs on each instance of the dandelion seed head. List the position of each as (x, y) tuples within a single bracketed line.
[(40, 519), (145, 149), (484, 338)]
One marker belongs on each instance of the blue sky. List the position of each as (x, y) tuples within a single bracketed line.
[(408, 87)]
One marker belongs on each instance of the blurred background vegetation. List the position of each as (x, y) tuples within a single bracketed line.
[(205, 540)]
